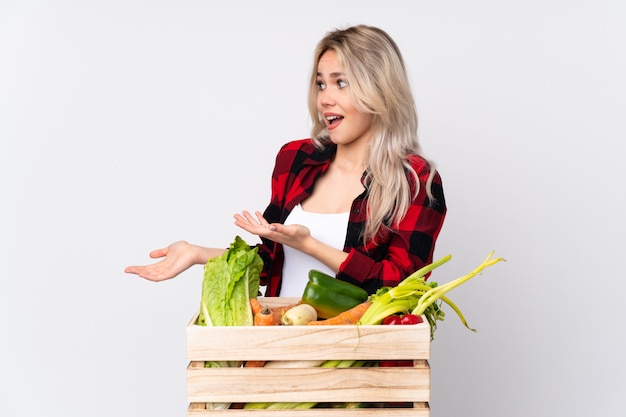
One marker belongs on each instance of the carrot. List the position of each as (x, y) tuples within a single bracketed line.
[(262, 313), (256, 305), (254, 364), (264, 317), (279, 311), (351, 316)]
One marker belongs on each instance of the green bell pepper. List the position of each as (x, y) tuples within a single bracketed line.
[(331, 296)]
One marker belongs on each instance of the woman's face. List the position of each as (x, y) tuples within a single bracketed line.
[(345, 124)]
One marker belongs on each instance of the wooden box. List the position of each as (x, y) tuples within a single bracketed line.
[(401, 391)]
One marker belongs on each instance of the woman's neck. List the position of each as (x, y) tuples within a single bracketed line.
[(351, 158)]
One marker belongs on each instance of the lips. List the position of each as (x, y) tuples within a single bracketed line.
[(332, 120)]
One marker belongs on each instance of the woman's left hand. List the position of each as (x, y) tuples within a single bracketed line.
[(293, 235)]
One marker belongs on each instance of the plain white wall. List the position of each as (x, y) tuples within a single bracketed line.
[(126, 125)]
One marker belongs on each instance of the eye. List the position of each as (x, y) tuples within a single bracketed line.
[(320, 85), (342, 83)]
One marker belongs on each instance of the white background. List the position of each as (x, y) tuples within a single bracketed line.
[(126, 125)]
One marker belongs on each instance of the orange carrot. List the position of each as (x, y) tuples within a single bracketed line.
[(351, 316), (279, 311), (276, 312), (256, 305), (264, 317), (254, 364)]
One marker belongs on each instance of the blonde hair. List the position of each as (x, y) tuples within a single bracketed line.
[(379, 86)]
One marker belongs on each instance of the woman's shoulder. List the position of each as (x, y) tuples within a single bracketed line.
[(304, 150), (423, 167), (420, 164), (304, 145)]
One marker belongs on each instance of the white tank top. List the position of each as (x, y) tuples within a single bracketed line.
[(329, 229)]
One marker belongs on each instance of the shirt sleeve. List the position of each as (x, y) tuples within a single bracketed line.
[(405, 249)]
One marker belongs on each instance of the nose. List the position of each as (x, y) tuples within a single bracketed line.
[(325, 98)]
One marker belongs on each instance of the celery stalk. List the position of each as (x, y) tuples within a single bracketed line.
[(419, 297), (435, 293), (420, 273), (456, 310)]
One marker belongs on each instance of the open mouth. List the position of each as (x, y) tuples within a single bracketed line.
[(333, 120)]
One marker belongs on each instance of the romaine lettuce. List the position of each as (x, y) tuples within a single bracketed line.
[(229, 282)]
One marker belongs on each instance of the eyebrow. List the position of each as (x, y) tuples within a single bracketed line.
[(332, 74)]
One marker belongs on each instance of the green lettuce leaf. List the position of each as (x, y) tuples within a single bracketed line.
[(230, 280)]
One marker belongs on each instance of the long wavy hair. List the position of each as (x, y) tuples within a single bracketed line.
[(378, 85)]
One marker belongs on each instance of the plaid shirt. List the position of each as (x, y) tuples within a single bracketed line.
[(399, 252)]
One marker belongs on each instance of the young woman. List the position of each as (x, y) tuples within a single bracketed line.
[(357, 200)]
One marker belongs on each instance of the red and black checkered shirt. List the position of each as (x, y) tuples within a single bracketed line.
[(398, 252)]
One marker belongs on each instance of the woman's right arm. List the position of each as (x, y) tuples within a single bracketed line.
[(177, 257)]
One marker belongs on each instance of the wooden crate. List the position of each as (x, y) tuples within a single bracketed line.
[(401, 391)]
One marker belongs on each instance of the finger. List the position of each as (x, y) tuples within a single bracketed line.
[(245, 216), (245, 222), (158, 253), (156, 272), (251, 219), (142, 272), (261, 219), (246, 225), (130, 270)]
